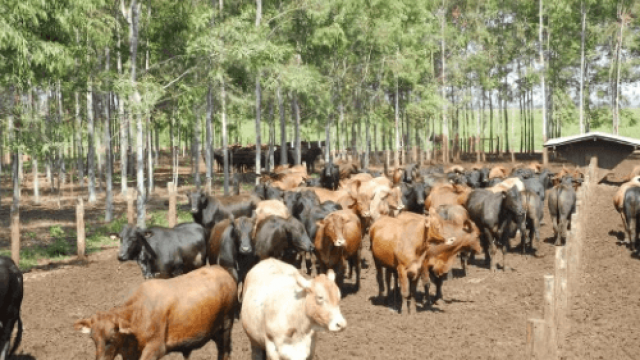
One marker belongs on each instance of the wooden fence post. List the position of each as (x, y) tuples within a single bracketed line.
[(15, 236), (535, 347), (560, 293), (171, 214), (80, 228), (131, 195), (550, 316)]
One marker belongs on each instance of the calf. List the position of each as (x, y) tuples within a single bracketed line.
[(163, 252), (534, 212), (492, 213), (11, 293), (339, 238), (401, 245), (230, 246), (282, 312), (562, 203), (277, 237), (165, 316)]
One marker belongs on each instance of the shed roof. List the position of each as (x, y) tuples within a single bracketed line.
[(596, 135)]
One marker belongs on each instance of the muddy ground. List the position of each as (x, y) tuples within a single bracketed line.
[(483, 315)]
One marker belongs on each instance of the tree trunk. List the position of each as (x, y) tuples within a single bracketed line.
[(258, 99), (36, 183), (295, 109), (581, 92), (396, 149), (283, 130), (124, 126), (90, 138), (545, 155), (491, 148), (272, 137), (223, 103), (445, 126), (108, 216), (616, 109), (208, 147)]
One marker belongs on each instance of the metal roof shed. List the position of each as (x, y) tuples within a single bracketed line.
[(607, 149)]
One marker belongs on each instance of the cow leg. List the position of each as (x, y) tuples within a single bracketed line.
[(357, 265), (555, 228), (438, 280), (258, 353), (272, 351), (403, 279), (562, 226), (627, 236), (154, 350), (413, 284), (308, 259), (4, 348), (632, 233), (426, 283), (223, 337), (490, 255), (380, 281), (5, 337)]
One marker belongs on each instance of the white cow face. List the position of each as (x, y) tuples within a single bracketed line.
[(322, 301)]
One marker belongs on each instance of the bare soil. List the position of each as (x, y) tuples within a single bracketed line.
[(483, 315)]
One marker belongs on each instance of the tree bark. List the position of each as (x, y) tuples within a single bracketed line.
[(396, 149), (223, 103), (545, 155), (108, 216), (616, 109), (445, 125), (295, 109), (124, 126), (209, 136), (283, 130), (581, 92), (90, 137), (272, 137), (258, 100)]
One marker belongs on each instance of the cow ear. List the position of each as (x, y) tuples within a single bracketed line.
[(331, 275), (83, 325), (124, 327), (302, 282), (467, 226)]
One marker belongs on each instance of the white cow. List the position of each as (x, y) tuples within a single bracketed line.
[(282, 311)]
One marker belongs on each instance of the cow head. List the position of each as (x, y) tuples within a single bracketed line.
[(291, 198), (243, 227), (297, 235), (512, 200), (197, 201), (129, 245), (110, 333), (434, 227), (322, 302), (394, 200), (333, 226)]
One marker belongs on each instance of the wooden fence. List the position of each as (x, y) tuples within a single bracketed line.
[(546, 336)]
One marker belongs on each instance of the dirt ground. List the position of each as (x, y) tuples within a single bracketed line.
[(483, 315)]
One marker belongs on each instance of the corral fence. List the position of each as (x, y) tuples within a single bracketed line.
[(546, 336)]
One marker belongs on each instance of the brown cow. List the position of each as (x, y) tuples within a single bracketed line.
[(498, 172), (618, 200), (447, 194), (635, 172), (163, 316), (455, 169), (295, 169), (339, 238), (439, 259), (401, 245), (290, 181), (344, 198), (267, 208)]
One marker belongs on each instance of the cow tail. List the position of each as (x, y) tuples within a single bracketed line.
[(558, 203), (18, 339)]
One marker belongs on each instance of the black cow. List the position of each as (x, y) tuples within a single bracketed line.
[(413, 196), (411, 174), (475, 178), (534, 212), (298, 200), (11, 293), (539, 183), (162, 252), (230, 246), (523, 173), (492, 213), (562, 203), (281, 239), (631, 211), (266, 192), (207, 211), (330, 176)]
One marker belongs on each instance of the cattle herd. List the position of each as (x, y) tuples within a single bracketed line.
[(414, 221)]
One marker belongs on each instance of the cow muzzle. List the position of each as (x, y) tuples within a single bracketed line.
[(245, 250), (338, 323), (340, 242)]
